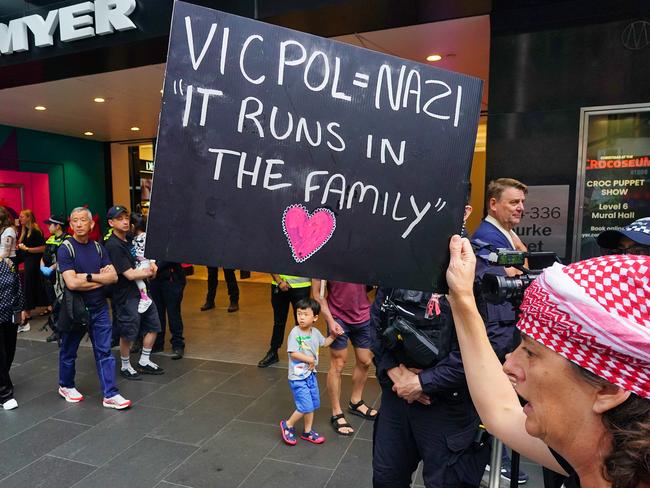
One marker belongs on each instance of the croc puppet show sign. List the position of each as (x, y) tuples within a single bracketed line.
[(284, 152)]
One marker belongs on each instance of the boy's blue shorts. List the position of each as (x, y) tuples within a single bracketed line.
[(305, 393)]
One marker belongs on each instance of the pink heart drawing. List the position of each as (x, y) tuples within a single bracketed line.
[(306, 233)]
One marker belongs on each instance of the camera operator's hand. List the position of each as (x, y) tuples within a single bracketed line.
[(461, 270)]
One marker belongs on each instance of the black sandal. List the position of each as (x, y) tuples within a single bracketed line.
[(354, 410), (334, 420)]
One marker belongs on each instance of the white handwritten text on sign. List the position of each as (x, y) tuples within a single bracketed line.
[(364, 153)]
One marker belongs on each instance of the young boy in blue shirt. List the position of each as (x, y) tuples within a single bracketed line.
[(302, 346)]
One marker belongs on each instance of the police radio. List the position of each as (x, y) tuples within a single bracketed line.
[(399, 334)]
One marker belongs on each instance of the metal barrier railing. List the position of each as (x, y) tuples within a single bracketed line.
[(495, 465)]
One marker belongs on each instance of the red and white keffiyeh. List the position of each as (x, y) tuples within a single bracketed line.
[(596, 314)]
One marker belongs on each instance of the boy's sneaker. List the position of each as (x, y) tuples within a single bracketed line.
[(506, 468), (150, 368), (71, 395), (10, 404), (313, 437), (118, 402), (24, 327), (144, 303), (288, 433)]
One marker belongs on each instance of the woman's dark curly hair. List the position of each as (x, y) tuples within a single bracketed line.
[(628, 463)]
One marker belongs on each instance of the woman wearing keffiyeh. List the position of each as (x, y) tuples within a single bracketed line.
[(583, 367)]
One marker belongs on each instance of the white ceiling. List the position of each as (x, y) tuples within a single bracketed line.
[(133, 96), (132, 99), (463, 43)]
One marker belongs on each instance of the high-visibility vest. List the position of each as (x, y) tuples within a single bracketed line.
[(51, 247), (56, 241), (295, 281), (108, 234)]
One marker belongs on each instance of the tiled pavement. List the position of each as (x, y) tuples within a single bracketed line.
[(203, 424)]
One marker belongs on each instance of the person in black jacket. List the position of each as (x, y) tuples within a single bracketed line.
[(167, 293), (427, 414), (12, 303)]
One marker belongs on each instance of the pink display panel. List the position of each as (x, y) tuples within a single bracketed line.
[(20, 190)]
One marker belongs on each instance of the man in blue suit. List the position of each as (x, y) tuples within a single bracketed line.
[(504, 200)]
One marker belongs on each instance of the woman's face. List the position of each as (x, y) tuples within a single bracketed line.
[(559, 400), (23, 218)]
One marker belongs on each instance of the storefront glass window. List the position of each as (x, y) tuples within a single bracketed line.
[(613, 180), (141, 164)]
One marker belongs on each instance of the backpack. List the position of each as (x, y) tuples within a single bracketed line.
[(70, 248)]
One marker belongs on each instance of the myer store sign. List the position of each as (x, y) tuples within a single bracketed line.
[(74, 22)]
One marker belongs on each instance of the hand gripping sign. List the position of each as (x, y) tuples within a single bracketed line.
[(284, 152)]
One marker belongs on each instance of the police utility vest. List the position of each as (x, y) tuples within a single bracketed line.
[(295, 281), (51, 247), (418, 327)]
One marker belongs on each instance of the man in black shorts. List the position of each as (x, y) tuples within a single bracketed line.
[(346, 310), (129, 322)]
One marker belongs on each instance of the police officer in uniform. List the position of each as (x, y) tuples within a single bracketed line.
[(53, 282), (285, 290), (426, 410)]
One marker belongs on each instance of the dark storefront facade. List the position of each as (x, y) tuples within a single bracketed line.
[(548, 60)]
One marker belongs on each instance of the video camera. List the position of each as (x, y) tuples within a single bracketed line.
[(497, 289)]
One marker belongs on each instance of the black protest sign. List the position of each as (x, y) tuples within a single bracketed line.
[(284, 152)]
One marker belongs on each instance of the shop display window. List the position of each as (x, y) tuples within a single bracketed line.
[(613, 186)]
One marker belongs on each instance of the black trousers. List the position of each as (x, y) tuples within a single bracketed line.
[(441, 435), (231, 283), (34, 292), (168, 296), (280, 301), (48, 288), (8, 335)]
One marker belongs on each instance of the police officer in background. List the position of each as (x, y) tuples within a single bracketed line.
[(634, 238), (52, 278), (426, 410), (285, 290)]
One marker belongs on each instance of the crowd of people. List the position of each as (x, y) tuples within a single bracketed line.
[(78, 274), (453, 369)]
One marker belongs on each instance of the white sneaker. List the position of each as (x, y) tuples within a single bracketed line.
[(144, 304), (10, 404), (117, 402), (24, 328), (71, 395)]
